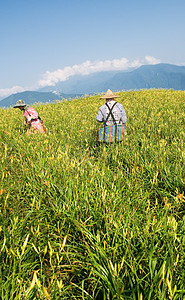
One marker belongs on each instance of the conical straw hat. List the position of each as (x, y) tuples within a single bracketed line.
[(20, 103), (109, 95)]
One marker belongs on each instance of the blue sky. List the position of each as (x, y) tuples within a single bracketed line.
[(45, 41)]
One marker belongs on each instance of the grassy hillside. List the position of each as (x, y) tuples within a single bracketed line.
[(79, 220)]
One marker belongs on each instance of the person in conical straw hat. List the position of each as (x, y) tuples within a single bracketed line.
[(117, 111), (112, 112), (32, 119)]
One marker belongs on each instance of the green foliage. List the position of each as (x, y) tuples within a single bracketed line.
[(79, 220)]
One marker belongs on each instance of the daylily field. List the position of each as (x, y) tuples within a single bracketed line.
[(83, 220)]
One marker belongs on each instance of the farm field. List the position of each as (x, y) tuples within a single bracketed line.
[(83, 220)]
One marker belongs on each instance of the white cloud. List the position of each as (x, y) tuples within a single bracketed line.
[(50, 78), (13, 90), (88, 67), (151, 60)]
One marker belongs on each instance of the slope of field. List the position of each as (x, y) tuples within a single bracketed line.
[(79, 220)]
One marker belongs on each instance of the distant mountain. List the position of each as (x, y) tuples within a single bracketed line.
[(83, 84), (31, 97), (160, 76)]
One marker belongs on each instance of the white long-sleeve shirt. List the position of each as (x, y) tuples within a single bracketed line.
[(118, 113)]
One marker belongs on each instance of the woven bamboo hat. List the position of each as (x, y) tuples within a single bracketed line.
[(20, 103), (109, 95)]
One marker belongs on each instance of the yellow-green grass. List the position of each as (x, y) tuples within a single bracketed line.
[(83, 220)]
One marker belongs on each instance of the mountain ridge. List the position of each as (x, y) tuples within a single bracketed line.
[(31, 97), (159, 76)]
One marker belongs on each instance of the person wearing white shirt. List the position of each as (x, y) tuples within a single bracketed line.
[(118, 115)]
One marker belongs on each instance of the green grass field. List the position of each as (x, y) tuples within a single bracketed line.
[(82, 220)]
